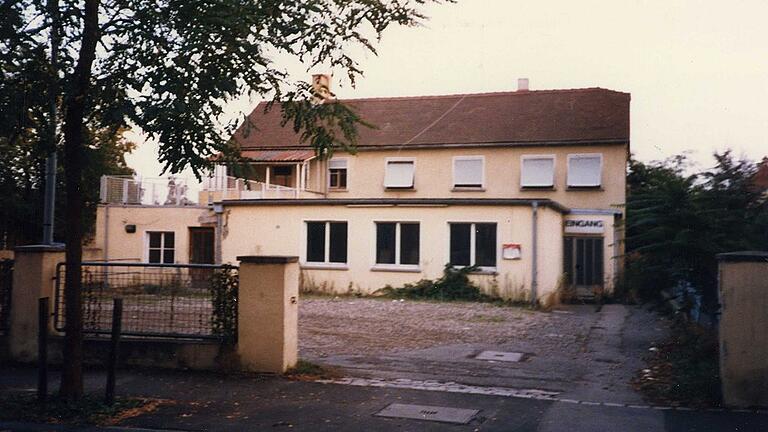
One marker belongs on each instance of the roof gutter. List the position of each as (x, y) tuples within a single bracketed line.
[(399, 202), (611, 141)]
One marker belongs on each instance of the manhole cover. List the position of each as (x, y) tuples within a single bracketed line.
[(425, 412), (500, 356)]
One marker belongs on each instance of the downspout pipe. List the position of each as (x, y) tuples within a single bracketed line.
[(218, 209), (534, 252)]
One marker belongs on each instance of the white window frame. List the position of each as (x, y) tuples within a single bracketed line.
[(473, 244), (524, 158), (346, 168), (482, 171), (327, 252), (396, 266), (387, 161), (162, 246), (584, 156)]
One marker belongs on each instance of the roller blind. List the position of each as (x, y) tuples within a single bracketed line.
[(584, 170), (468, 172), (399, 174), (538, 172)]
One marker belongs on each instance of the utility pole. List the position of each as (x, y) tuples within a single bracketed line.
[(53, 91)]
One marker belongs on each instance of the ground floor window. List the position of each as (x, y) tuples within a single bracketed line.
[(161, 247), (397, 243), (473, 244), (326, 242)]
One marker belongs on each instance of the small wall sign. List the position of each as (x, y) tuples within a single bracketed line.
[(584, 226), (510, 251)]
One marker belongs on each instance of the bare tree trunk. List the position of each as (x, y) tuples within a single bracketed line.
[(74, 125)]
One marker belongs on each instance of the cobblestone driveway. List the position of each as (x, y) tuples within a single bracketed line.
[(575, 351)]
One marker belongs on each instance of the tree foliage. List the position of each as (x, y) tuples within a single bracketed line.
[(677, 223), (170, 67)]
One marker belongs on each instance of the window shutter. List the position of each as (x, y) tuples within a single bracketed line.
[(584, 171), (468, 172), (399, 174), (538, 172), (337, 164)]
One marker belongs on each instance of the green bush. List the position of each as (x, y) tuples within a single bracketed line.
[(224, 291), (453, 285)]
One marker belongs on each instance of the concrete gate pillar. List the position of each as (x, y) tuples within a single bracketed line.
[(34, 270), (267, 308), (743, 288)]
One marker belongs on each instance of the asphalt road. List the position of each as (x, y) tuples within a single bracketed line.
[(211, 402)]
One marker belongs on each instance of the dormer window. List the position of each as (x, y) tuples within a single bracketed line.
[(585, 170), (537, 171), (337, 174), (468, 172), (399, 173)]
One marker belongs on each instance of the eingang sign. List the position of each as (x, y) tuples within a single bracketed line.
[(584, 226)]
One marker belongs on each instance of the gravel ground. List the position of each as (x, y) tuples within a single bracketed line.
[(354, 326)]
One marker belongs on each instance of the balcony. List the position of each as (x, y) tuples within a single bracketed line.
[(230, 188), (135, 190)]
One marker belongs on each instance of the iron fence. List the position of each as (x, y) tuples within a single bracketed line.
[(159, 300), (6, 286)]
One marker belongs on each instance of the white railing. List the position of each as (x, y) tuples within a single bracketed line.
[(144, 191), (225, 187)]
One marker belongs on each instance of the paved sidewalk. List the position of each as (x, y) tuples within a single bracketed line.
[(211, 402)]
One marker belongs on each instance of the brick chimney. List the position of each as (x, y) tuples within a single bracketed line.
[(321, 87), (522, 84)]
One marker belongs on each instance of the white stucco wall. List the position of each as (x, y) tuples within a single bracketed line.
[(280, 230)]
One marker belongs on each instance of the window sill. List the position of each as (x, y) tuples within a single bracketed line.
[(324, 266), (331, 190), (546, 188), (490, 271), (584, 188), (396, 268), (399, 189), (467, 189)]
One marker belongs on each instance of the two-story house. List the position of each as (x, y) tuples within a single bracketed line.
[(527, 185)]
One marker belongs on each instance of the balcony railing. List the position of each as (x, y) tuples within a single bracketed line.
[(129, 190), (232, 188)]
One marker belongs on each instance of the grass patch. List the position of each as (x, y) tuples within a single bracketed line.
[(89, 410), (308, 371), (684, 370)]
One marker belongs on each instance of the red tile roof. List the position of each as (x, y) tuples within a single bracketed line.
[(760, 180), (278, 155), (578, 115)]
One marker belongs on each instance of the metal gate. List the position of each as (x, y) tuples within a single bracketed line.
[(6, 288), (159, 300)]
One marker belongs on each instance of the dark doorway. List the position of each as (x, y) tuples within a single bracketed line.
[(201, 246), (583, 264)]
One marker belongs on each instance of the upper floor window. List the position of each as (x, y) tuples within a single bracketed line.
[(326, 242), (468, 172), (399, 173), (537, 171), (584, 170), (337, 174), (473, 244), (161, 247), (397, 243)]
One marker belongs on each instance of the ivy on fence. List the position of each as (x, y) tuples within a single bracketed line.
[(224, 287)]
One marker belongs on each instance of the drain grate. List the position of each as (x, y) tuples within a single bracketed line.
[(500, 356), (426, 412)]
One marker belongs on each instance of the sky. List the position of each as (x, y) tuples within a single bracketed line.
[(697, 70)]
